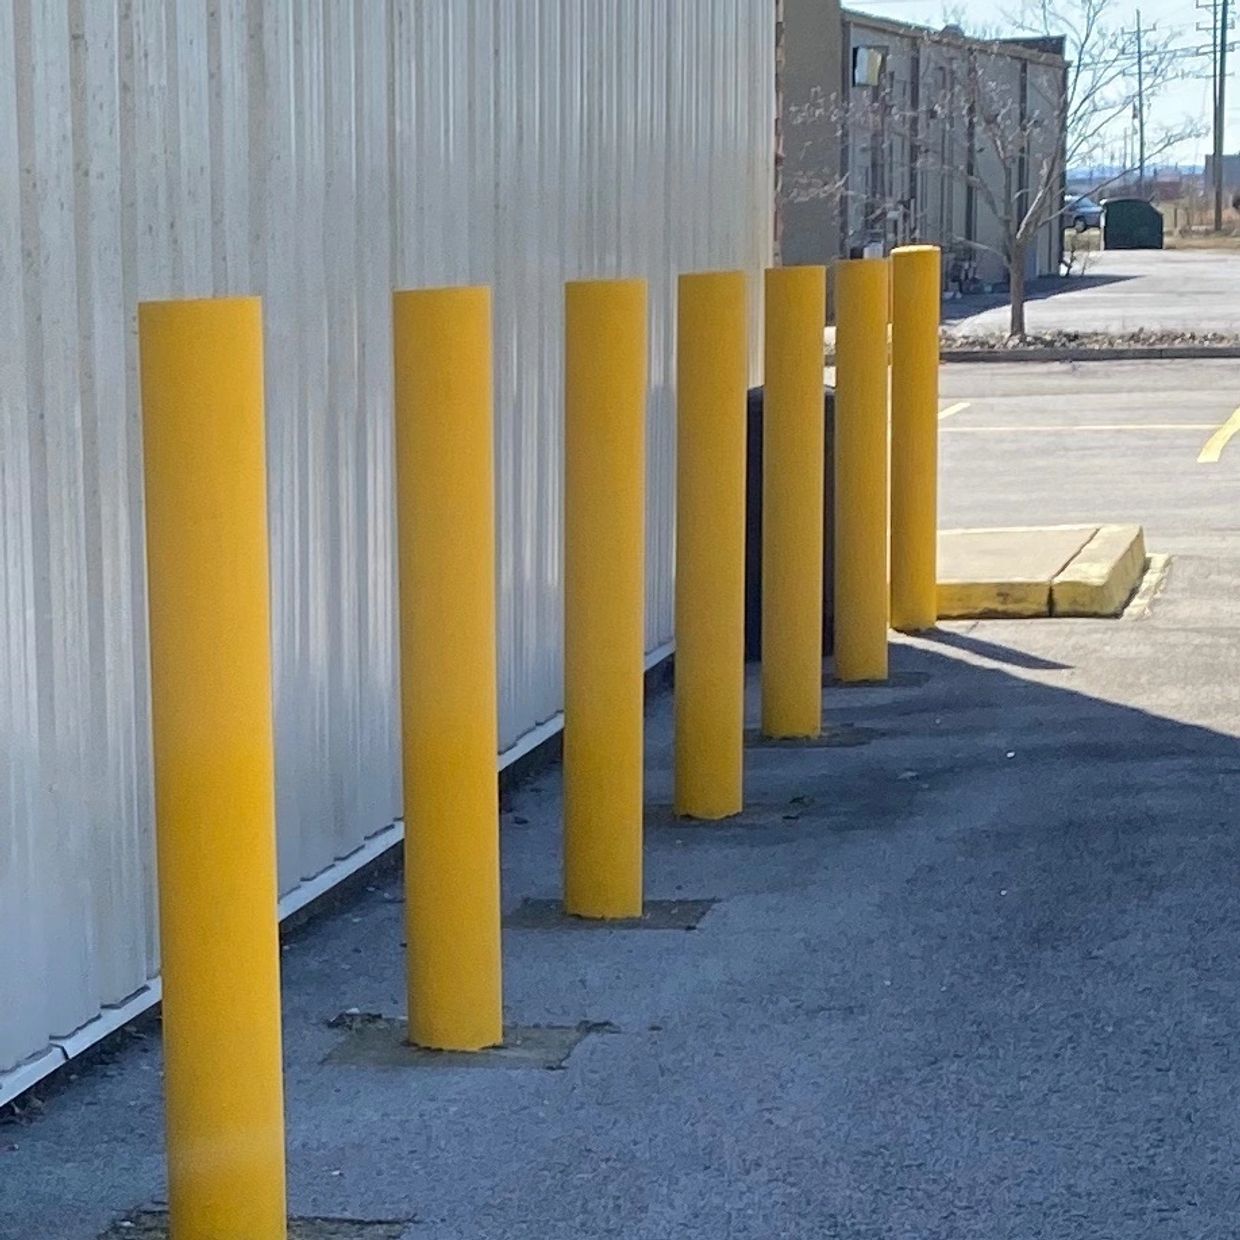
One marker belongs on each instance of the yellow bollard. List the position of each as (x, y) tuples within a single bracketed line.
[(206, 539), (604, 580), (861, 591), (916, 289), (711, 383), (792, 499), (445, 504)]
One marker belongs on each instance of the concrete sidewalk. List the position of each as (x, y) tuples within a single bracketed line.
[(1121, 291), (972, 975)]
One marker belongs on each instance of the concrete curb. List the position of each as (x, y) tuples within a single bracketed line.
[(993, 600), (1066, 354), (1100, 579), (1031, 572)]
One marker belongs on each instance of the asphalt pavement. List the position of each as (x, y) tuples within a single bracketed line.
[(972, 973), (1029, 443)]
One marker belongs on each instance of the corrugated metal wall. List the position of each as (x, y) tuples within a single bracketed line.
[(319, 153)]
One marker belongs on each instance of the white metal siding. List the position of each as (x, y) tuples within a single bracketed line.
[(318, 152)]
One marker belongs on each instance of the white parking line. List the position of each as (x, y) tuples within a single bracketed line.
[(951, 409), (1093, 426)]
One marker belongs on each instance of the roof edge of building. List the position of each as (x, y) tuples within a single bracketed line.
[(1022, 48)]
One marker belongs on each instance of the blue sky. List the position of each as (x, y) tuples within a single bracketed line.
[(1186, 99)]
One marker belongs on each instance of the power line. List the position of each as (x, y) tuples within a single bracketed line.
[(1171, 53), (1140, 113)]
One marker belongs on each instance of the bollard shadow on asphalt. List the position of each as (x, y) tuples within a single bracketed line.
[(992, 650), (976, 978)]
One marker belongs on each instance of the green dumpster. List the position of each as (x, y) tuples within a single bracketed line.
[(1131, 224)]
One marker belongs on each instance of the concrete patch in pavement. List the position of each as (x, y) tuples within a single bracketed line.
[(895, 680), (831, 737), (375, 1041), (533, 914), (758, 823), (1032, 571)]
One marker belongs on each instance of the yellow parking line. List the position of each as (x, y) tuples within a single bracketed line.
[(1219, 440), (956, 408), (1099, 426)]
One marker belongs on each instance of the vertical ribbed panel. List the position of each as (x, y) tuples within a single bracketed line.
[(319, 154)]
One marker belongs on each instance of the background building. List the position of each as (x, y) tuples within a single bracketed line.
[(810, 66), (887, 140), (1231, 172)]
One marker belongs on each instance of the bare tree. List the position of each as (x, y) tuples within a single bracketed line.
[(1007, 137), (1099, 94)]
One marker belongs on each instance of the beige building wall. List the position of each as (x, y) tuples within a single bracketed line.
[(891, 161), (812, 78)]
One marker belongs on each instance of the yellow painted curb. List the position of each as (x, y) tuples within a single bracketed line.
[(1004, 573), (1028, 571), (1100, 578), (993, 600)]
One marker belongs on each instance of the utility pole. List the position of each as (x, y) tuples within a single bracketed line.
[(1140, 113), (1219, 30), (1220, 116), (1138, 107)]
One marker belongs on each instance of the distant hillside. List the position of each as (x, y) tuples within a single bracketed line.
[(1103, 172)]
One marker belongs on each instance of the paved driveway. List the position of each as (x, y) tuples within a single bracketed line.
[(1128, 289)]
